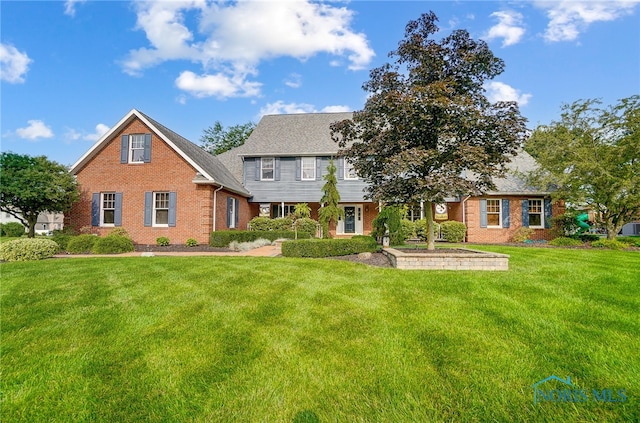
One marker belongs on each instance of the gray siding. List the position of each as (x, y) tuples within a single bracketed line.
[(288, 190)]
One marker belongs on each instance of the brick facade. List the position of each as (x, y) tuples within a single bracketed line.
[(167, 171)]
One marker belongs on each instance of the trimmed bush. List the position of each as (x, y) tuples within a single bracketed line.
[(120, 232), (113, 244), (453, 231), (408, 229), (307, 225), (317, 248), (612, 244), (633, 241), (191, 242), (224, 238), (163, 241), (62, 240), (26, 249), (522, 234), (81, 244), (586, 237), (281, 224), (13, 229), (260, 224), (564, 241)]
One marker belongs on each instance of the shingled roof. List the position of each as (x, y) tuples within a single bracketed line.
[(208, 168)]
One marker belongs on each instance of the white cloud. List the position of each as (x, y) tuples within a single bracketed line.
[(70, 7), (36, 129), (233, 38), (217, 85), (499, 91), (567, 19), (281, 108), (101, 129), (13, 64), (294, 80), (509, 27)]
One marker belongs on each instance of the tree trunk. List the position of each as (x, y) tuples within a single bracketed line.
[(431, 244), (32, 225)]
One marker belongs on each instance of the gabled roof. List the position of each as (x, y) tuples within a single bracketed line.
[(209, 169), (304, 134), (513, 183)]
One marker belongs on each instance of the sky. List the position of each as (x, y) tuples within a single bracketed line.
[(72, 69)]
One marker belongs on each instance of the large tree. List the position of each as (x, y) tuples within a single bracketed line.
[(427, 125), (591, 157), (216, 139), (32, 185)]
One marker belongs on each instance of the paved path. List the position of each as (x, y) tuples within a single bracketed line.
[(266, 251)]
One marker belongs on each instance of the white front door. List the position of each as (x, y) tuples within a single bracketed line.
[(352, 221)]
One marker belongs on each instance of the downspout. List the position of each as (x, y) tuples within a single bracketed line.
[(464, 214), (215, 206)]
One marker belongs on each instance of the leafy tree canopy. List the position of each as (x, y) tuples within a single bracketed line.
[(32, 185), (427, 120), (216, 139), (591, 156)]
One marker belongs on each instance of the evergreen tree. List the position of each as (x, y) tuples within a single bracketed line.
[(329, 210)]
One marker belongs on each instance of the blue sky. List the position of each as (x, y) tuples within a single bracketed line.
[(72, 69)]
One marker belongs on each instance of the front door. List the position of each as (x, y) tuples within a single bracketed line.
[(349, 220)]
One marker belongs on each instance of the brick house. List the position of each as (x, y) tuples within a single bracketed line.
[(147, 179)]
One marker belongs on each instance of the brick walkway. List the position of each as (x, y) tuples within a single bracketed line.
[(266, 251)]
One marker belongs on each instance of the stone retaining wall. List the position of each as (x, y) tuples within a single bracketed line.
[(465, 260)]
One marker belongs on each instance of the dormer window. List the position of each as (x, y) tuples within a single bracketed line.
[(135, 148)]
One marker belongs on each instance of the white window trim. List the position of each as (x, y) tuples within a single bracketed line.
[(154, 209), (541, 226), (131, 149), (102, 209), (347, 167), (234, 204), (499, 225), (312, 178), (262, 169)]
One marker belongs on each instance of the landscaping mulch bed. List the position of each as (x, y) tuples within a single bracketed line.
[(375, 259), (178, 248)]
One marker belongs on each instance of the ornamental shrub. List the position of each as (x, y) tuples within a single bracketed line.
[(26, 249), (587, 237), (246, 246), (564, 241), (113, 244), (81, 244), (120, 232), (389, 218), (223, 238), (633, 241), (163, 241), (191, 242), (453, 231), (281, 224), (260, 224), (307, 225), (13, 229), (612, 244), (522, 234), (408, 228), (328, 247)]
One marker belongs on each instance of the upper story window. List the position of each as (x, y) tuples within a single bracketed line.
[(494, 213), (536, 215), (349, 171), (267, 168), (135, 148), (308, 168)]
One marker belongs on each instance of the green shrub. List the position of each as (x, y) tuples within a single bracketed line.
[(586, 237), (28, 249), (191, 242), (307, 225), (224, 238), (120, 232), (61, 239), (163, 241), (522, 234), (631, 240), (328, 247), (421, 229), (564, 241), (612, 244), (453, 231), (13, 229), (246, 246), (389, 218), (260, 224), (112, 244), (81, 244), (281, 224), (408, 228)]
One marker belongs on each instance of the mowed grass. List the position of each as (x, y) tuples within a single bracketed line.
[(234, 339)]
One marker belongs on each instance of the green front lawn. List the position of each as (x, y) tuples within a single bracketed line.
[(279, 340)]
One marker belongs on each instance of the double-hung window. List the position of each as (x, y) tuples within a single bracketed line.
[(161, 209), (536, 215), (108, 209), (136, 148), (494, 215), (349, 171), (267, 168), (308, 168)]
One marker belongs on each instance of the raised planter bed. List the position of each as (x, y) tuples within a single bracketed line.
[(446, 259)]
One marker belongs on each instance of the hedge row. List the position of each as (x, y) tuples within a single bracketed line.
[(224, 238), (25, 249), (328, 247)]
